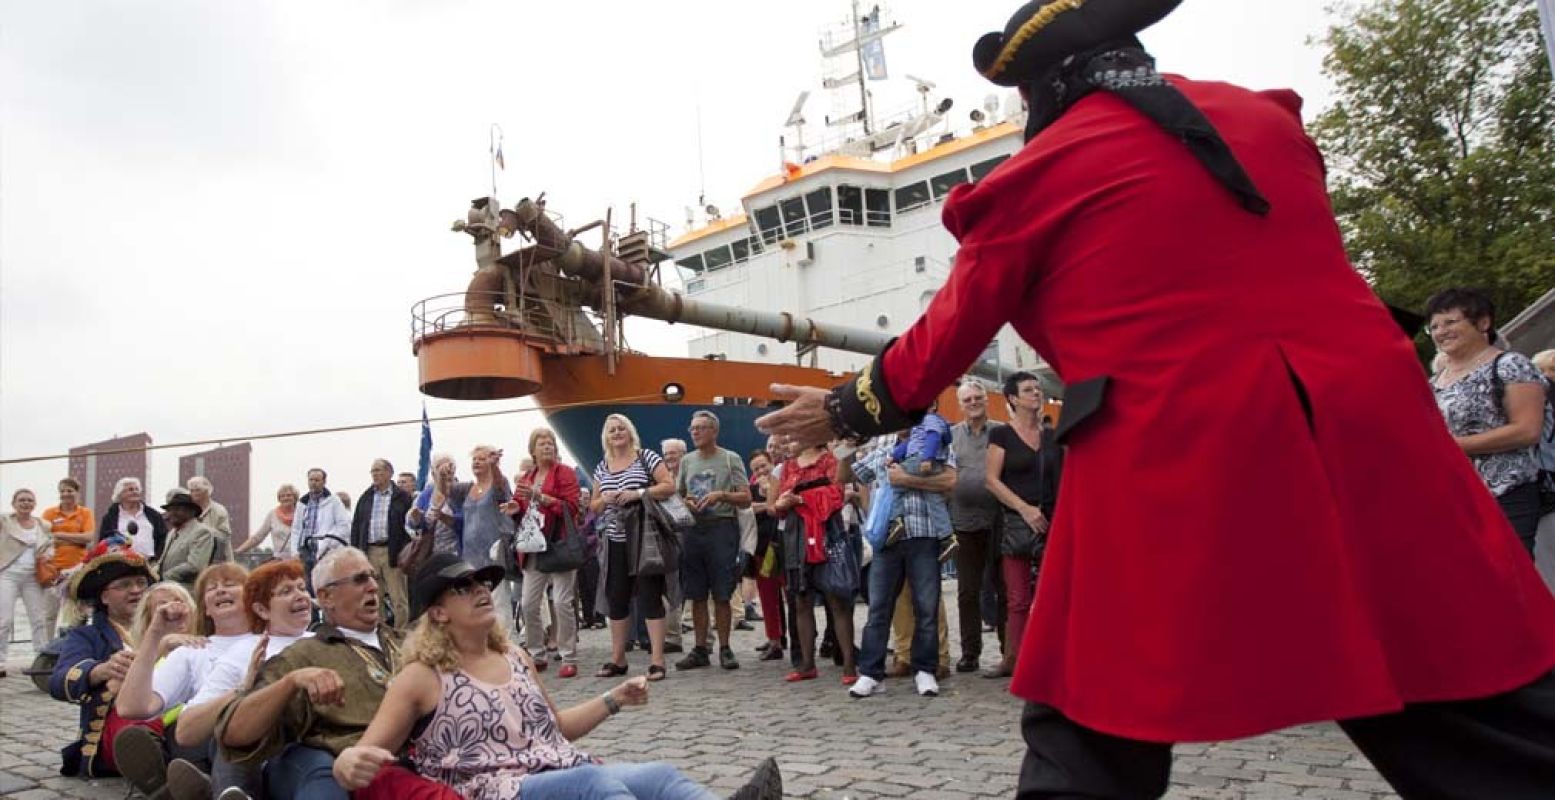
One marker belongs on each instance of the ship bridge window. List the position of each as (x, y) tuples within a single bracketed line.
[(718, 258), (742, 250), (912, 196), (793, 216), (877, 208), (693, 263), (942, 184), (859, 206), (818, 203), (769, 224), (982, 168)]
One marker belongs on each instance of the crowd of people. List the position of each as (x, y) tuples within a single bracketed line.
[(345, 661)]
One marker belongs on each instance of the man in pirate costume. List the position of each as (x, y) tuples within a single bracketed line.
[(94, 657), (1263, 521)]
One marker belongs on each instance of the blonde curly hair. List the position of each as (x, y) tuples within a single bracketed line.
[(430, 644)]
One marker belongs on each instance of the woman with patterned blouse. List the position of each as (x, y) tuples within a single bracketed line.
[(483, 724), (1493, 401)]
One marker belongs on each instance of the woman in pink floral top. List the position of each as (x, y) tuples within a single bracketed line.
[(484, 725)]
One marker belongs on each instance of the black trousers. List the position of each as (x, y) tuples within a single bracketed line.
[(977, 553), (1494, 748)]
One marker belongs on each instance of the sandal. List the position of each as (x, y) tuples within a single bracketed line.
[(656, 672), (610, 670)]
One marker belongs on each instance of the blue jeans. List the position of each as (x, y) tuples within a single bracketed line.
[(653, 781), (915, 561), (304, 773)]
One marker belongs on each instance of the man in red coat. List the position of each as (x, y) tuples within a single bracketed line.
[(1263, 521)]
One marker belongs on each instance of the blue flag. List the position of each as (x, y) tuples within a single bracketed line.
[(426, 449)]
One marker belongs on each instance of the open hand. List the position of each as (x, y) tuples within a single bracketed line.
[(803, 421)]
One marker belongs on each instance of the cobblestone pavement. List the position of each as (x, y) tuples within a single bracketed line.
[(716, 725)]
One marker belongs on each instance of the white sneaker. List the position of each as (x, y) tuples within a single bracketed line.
[(927, 686), (864, 687)]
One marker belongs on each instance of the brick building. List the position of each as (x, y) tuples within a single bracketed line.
[(97, 468), (227, 470)]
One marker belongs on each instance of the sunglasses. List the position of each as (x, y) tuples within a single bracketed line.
[(466, 586), (359, 579)]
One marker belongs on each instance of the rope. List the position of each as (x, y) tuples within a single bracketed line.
[(335, 429)]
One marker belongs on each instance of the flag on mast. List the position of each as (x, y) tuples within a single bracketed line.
[(426, 449)]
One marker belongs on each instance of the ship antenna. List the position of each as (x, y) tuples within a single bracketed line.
[(701, 167), (494, 147)]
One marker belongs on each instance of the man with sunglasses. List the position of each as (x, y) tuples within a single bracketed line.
[(315, 698)]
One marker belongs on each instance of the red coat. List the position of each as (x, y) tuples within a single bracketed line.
[(1218, 568), (561, 483), (820, 502)]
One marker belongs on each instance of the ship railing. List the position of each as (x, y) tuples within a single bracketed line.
[(446, 313)]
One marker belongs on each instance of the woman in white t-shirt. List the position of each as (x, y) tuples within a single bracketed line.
[(279, 608), (156, 684), (24, 541)]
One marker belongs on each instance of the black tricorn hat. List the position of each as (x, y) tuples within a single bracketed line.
[(93, 578), (1045, 32)]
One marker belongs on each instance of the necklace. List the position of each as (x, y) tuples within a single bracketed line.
[(1452, 374), (376, 672)]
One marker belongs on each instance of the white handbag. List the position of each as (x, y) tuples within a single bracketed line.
[(530, 537), (747, 520)]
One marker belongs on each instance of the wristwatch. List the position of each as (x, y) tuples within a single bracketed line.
[(610, 704)]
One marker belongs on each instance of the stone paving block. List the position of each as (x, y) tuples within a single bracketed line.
[(11, 782)]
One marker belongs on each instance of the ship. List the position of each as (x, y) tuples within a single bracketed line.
[(826, 260)]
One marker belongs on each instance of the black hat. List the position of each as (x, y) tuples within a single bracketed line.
[(182, 499), (441, 571), (1045, 32), (89, 583)]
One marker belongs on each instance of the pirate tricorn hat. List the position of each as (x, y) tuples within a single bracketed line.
[(1044, 32)]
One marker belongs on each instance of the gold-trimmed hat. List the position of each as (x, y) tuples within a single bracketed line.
[(88, 583), (1045, 32)]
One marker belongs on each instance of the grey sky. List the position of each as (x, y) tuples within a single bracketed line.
[(214, 217)]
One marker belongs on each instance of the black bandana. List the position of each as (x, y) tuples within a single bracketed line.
[(1126, 70)]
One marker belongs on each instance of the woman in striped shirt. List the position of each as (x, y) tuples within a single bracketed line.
[(628, 472)]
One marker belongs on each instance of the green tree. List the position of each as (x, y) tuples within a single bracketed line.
[(1441, 147)]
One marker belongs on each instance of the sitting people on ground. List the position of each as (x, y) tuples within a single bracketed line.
[(315, 698), (486, 726)]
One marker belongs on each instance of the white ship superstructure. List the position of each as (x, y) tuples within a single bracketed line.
[(851, 235)]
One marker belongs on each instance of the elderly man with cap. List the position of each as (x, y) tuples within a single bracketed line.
[(1262, 520), (94, 658), (191, 545), (315, 698)]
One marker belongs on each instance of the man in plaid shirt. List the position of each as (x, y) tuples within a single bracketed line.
[(914, 559)]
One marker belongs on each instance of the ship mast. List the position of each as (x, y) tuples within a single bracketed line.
[(863, 87)]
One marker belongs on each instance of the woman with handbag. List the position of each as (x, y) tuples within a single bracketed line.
[(1023, 470), (25, 546), (627, 474), (809, 503), (552, 487), (766, 565)]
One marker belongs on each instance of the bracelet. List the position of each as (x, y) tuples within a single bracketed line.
[(610, 704)]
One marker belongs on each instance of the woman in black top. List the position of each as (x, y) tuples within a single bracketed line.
[(1023, 471)]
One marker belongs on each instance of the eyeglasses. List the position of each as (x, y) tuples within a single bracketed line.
[(1442, 324), (128, 584), (358, 579)]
